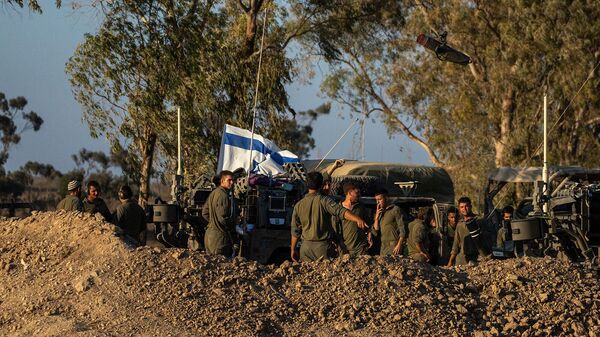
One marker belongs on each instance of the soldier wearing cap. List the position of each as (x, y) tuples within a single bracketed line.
[(92, 203), (72, 201), (130, 216)]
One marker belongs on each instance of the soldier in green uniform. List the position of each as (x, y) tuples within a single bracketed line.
[(92, 203), (311, 222), (218, 212), (353, 240), (130, 216), (503, 239), (418, 235), (72, 201), (467, 244), (389, 225), (452, 217)]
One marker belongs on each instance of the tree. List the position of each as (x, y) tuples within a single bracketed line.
[(10, 110), (469, 119), (33, 5), (150, 56)]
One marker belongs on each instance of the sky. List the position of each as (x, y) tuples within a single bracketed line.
[(35, 49)]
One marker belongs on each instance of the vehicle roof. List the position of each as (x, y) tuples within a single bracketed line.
[(433, 182), (533, 174)]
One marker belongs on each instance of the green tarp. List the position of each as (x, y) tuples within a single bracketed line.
[(433, 182)]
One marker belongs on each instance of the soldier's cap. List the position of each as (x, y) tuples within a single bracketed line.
[(73, 185)]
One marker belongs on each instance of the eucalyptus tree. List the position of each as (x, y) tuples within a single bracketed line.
[(469, 119), (150, 57)]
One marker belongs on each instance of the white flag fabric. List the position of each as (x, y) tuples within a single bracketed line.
[(267, 158)]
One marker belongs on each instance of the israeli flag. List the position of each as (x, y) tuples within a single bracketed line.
[(267, 158)]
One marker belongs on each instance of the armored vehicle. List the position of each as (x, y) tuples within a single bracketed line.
[(562, 220)]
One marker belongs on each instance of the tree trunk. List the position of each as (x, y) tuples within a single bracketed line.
[(251, 25), (501, 143), (574, 137), (147, 149)]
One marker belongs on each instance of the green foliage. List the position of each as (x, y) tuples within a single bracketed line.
[(33, 5), (469, 119), (150, 56), (10, 131)]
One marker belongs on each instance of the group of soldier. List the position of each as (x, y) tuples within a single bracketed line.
[(128, 215), (324, 228)]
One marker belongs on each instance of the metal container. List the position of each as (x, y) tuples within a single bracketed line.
[(165, 213), (526, 229)]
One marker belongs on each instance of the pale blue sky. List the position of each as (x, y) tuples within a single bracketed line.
[(35, 49)]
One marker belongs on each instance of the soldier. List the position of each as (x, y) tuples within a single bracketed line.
[(418, 235), (72, 201), (467, 244), (353, 240), (218, 212), (326, 189), (504, 233), (130, 216), (311, 222), (452, 217), (92, 203), (389, 225)]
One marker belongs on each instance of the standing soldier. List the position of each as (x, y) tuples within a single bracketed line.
[(130, 216), (468, 243), (418, 235), (452, 216), (504, 238), (311, 222), (92, 203), (353, 240), (218, 212), (389, 225), (72, 201)]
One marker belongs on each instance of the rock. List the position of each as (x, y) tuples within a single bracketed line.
[(84, 284)]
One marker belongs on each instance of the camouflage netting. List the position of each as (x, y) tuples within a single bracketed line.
[(71, 274)]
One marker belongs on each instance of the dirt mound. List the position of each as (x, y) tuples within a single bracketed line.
[(72, 274)]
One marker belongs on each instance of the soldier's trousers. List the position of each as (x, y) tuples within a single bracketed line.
[(387, 247), (313, 250), (217, 243)]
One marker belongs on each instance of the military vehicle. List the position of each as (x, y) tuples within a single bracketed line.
[(265, 205), (562, 221)]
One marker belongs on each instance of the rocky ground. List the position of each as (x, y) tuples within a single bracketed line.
[(72, 274)]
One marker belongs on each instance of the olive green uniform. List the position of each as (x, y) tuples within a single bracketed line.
[(418, 233), (70, 203), (311, 222), (132, 219), (391, 229), (97, 206), (218, 212), (501, 238), (463, 246), (355, 239), (450, 233)]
